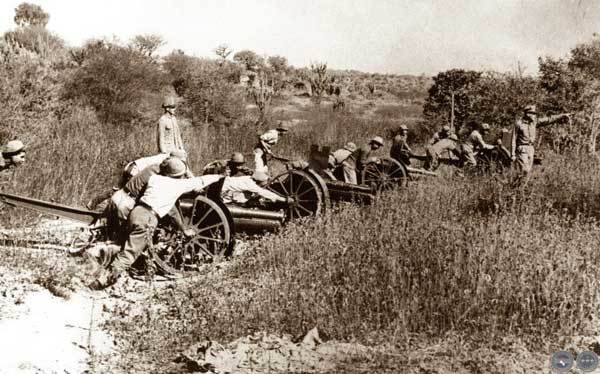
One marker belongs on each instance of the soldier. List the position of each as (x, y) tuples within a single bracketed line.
[(241, 190), (133, 168), (342, 164), (524, 137), (159, 198), (169, 135), (439, 135), (400, 150), (475, 142), (234, 167), (13, 155), (433, 152), (364, 152)]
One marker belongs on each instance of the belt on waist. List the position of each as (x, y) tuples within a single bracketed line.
[(148, 207)]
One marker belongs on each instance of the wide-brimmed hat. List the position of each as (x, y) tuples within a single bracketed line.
[(172, 167), (237, 158), (350, 147), (377, 140), (270, 137), (283, 126), (530, 109), (485, 127), (169, 102), (178, 153), (14, 146), (403, 127)]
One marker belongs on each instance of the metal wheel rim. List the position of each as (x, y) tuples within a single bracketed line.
[(303, 188), (385, 175)]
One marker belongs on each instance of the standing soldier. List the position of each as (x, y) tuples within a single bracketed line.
[(364, 152), (524, 137), (433, 152), (169, 135), (439, 135), (475, 142), (400, 150)]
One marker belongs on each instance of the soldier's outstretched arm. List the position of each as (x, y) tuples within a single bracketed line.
[(549, 120)]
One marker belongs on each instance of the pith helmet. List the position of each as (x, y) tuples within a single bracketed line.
[(403, 128), (350, 147), (14, 146), (169, 102), (172, 167), (530, 109), (377, 140), (178, 153), (283, 126), (453, 137), (237, 158), (485, 127), (260, 176)]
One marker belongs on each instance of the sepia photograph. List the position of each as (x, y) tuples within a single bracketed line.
[(299, 186)]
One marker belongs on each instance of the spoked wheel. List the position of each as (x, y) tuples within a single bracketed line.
[(303, 188), (213, 238), (385, 174)]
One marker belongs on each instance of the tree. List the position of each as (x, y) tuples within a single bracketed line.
[(147, 44), (250, 60), (223, 51), (115, 80), (449, 100), (318, 78), (27, 14)]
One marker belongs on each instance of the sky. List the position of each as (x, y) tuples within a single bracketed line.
[(384, 36)]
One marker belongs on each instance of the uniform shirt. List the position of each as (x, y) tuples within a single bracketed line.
[(475, 141), (234, 189), (343, 157), (444, 145), (261, 151), (137, 185), (437, 137), (362, 155), (142, 163), (169, 136), (400, 149), (525, 130), (162, 192)]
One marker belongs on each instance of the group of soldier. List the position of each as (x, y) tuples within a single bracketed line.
[(150, 186)]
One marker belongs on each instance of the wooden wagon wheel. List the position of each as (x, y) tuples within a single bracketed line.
[(385, 174), (213, 239), (322, 187), (303, 188)]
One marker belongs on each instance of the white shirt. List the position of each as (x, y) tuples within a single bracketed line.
[(234, 188), (144, 162), (162, 192)]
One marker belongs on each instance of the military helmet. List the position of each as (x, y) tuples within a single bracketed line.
[(403, 128), (446, 129), (178, 153), (172, 167), (485, 127), (14, 146), (530, 109), (237, 158), (377, 140), (169, 102), (453, 137), (350, 147)]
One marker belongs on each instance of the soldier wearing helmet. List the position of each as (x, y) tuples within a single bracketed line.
[(439, 135), (158, 200), (364, 153), (13, 155), (400, 150), (474, 143), (244, 190), (234, 166), (524, 136), (342, 164), (169, 135), (448, 146)]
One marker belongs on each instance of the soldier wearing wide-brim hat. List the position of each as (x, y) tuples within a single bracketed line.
[(363, 153), (169, 134), (13, 154), (524, 136)]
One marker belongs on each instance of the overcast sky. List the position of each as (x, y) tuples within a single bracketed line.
[(393, 36)]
